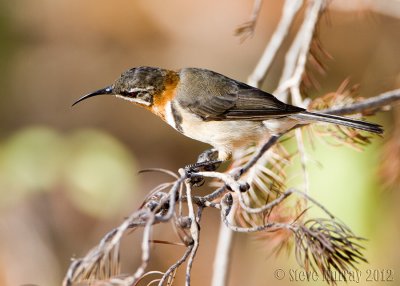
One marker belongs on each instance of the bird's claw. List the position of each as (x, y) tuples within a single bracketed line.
[(195, 180), (192, 169), (207, 161)]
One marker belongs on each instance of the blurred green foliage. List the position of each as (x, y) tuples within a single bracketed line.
[(96, 171)]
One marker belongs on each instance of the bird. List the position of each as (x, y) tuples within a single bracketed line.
[(212, 108)]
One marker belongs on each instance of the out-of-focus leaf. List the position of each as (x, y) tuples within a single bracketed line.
[(99, 173), (29, 162), (95, 170)]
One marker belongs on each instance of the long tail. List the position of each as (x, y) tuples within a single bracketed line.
[(340, 120)]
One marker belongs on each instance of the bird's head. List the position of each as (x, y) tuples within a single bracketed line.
[(138, 85)]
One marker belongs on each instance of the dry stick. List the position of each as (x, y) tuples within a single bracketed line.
[(206, 200), (145, 251), (194, 228), (278, 200), (290, 9), (226, 206), (256, 11), (172, 193), (84, 266), (118, 281), (289, 66), (176, 265), (307, 33), (372, 103), (296, 56), (247, 29), (271, 142)]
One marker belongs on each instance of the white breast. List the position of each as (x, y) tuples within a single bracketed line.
[(223, 135), (169, 116)]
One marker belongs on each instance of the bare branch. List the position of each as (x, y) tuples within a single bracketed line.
[(290, 9), (246, 30), (271, 141), (307, 31), (145, 250), (176, 265), (194, 229), (296, 56), (369, 105)]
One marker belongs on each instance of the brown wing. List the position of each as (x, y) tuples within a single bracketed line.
[(213, 96), (255, 104)]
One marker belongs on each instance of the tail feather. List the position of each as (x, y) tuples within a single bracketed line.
[(340, 120)]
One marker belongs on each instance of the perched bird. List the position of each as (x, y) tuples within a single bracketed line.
[(215, 109)]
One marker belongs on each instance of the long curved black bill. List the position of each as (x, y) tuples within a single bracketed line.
[(107, 90)]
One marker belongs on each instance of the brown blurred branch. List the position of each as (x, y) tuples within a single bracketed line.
[(222, 256), (246, 30)]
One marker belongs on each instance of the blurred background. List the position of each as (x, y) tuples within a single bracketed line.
[(69, 175)]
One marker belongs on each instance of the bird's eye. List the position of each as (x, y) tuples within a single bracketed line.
[(132, 94), (137, 95)]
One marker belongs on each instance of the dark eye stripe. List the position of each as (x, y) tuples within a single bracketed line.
[(129, 94)]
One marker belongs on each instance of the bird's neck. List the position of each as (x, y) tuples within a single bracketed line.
[(160, 100)]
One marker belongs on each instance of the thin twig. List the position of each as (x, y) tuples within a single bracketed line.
[(145, 250), (271, 141), (278, 200), (246, 30), (176, 265), (226, 206), (297, 54), (194, 231), (143, 276), (369, 104), (311, 19), (290, 9), (216, 194), (160, 170), (172, 198)]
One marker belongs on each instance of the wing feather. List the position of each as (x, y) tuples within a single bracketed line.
[(213, 96)]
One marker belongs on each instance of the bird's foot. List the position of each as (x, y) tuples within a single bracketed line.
[(207, 161), (191, 170), (210, 158)]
